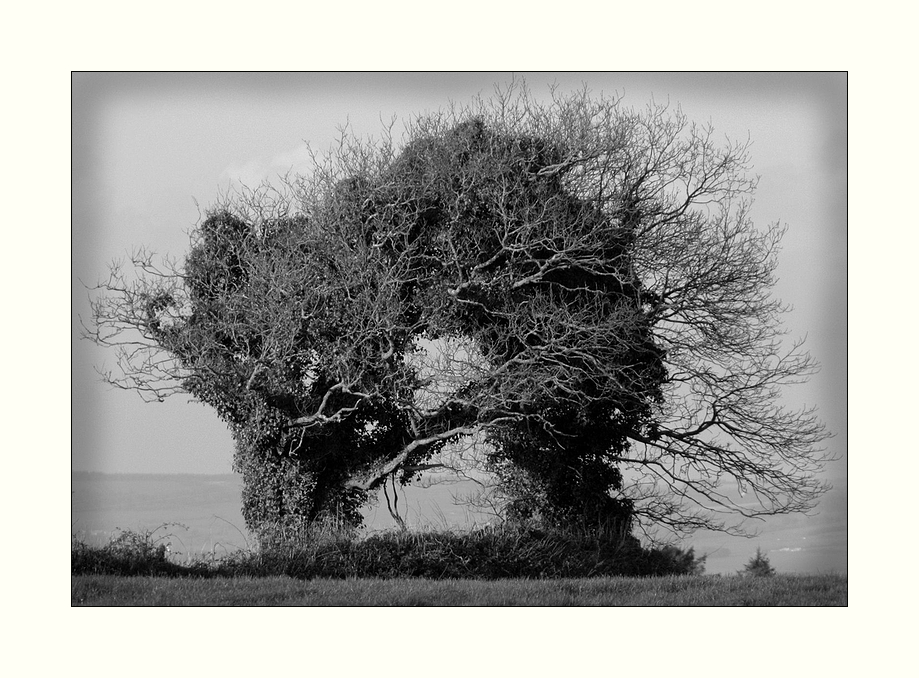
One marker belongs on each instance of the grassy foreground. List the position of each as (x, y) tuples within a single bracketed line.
[(781, 590)]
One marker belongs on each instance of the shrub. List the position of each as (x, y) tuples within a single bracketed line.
[(758, 566), (335, 551), (673, 560)]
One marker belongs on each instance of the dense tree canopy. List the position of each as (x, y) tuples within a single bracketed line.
[(575, 288)]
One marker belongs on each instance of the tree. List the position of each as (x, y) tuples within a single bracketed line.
[(576, 288), (758, 566)]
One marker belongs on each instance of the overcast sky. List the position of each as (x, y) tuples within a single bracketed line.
[(152, 151)]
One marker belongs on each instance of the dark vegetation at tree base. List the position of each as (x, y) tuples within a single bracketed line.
[(483, 554)]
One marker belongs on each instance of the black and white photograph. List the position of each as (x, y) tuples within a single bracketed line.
[(538, 339)]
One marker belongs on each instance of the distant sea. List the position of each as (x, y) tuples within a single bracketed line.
[(201, 514)]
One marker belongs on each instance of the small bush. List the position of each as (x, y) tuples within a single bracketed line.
[(758, 566), (673, 560)]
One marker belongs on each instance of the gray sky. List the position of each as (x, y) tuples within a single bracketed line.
[(149, 149)]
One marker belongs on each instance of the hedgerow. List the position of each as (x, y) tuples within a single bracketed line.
[(325, 552)]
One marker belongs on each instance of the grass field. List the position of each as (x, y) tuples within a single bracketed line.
[(781, 590)]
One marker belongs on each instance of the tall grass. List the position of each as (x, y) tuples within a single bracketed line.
[(127, 553)]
